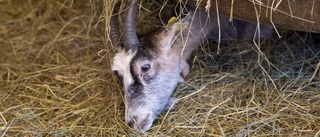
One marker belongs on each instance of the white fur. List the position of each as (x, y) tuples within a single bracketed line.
[(121, 64)]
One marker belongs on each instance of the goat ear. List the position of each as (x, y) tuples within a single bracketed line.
[(174, 38), (171, 33)]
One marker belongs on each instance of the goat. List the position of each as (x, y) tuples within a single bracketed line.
[(151, 67)]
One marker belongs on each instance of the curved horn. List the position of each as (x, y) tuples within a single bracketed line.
[(114, 24), (130, 38)]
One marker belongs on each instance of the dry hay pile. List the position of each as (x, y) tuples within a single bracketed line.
[(54, 82)]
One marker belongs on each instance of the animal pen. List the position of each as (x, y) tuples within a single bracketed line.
[(56, 78)]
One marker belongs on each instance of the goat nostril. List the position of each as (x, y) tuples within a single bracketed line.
[(134, 118), (139, 124), (132, 121), (144, 122), (130, 124)]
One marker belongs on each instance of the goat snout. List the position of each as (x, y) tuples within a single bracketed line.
[(140, 123)]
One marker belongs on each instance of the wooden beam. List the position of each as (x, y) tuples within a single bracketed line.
[(303, 15)]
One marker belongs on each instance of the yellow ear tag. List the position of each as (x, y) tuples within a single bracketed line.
[(173, 19)]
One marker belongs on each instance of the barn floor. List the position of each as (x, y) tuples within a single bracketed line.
[(55, 78)]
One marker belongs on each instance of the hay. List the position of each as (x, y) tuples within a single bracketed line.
[(53, 82)]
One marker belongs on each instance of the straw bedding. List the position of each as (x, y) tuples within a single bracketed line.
[(55, 78)]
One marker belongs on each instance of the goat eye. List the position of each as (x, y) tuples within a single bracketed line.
[(145, 68)]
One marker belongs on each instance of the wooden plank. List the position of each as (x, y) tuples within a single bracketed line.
[(303, 15)]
